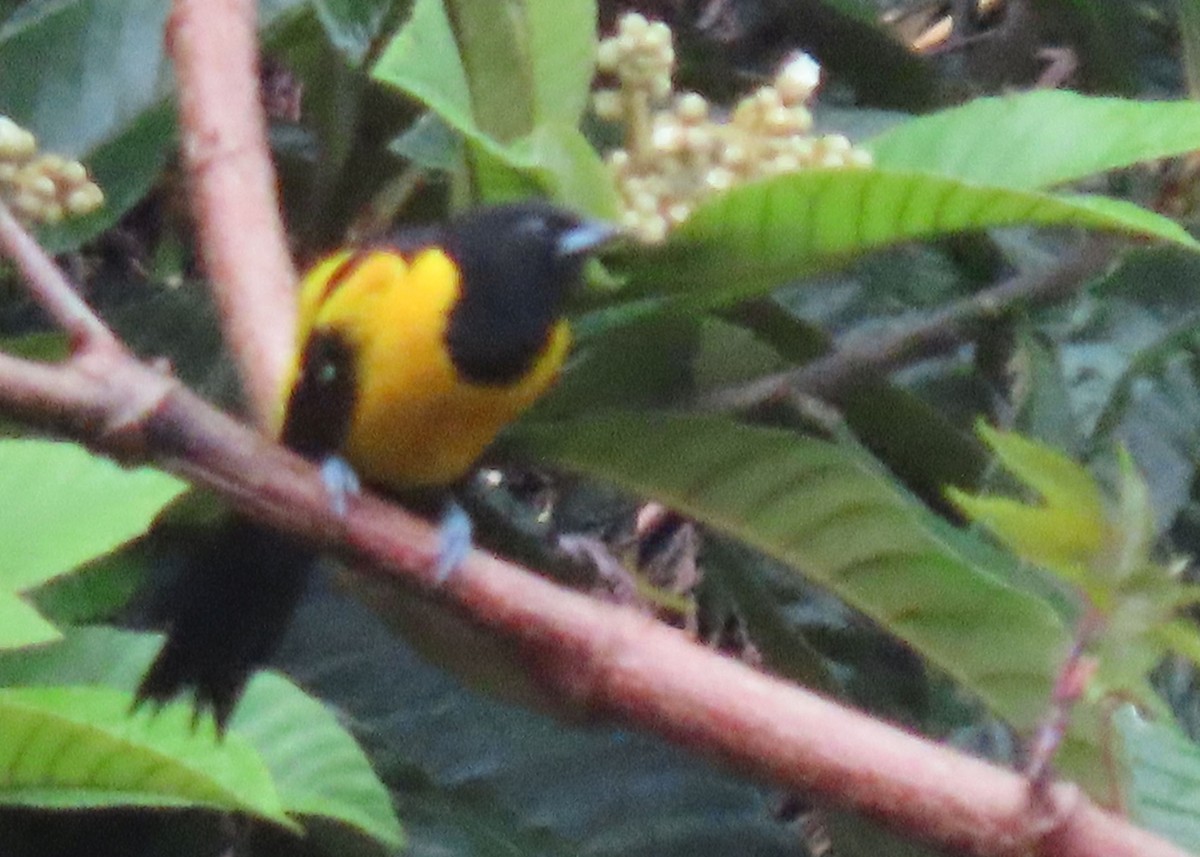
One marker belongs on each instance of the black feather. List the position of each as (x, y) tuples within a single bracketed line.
[(515, 282), (225, 613)]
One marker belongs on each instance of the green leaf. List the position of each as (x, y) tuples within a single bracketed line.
[(44, 347), (476, 776), (662, 361), (1181, 637), (513, 79), (317, 767), (21, 625), (569, 169), (91, 66), (1059, 479), (1066, 531), (561, 53), (64, 506), (352, 25), (823, 511), (527, 62), (314, 766), (1039, 139), (1103, 550), (760, 235), (1164, 789), (97, 591), (491, 44), (98, 94), (1040, 391), (423, 61), (430, 144), (77, 747)]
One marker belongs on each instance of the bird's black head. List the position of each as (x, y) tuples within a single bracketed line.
[(518, 262)]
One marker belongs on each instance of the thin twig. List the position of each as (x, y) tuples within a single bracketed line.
[(51, 289), (830, 376)]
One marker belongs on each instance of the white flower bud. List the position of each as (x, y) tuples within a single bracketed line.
[(719, 178), (691, 108), (653, 230), (619, 161), (72, 173), (667, 137), (658, 37), (860, 158), (608, 104), (633, 26), (51, 212), (798, 79), (15, 141), (83, 199), (645, 202), (38, 183), (677, 212), (608, 55), (733, 154), (783, 163), (836, 143)]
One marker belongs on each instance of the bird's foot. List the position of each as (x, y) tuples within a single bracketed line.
[(341, 482), (454, 540)]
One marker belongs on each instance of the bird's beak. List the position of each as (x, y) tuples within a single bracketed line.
[(587, 237)]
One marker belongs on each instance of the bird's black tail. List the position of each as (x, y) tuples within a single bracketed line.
[(225, 612)]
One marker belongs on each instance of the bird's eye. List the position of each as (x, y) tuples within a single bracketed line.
[(327, 372)]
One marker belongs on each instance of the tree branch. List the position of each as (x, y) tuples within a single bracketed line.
[(232, 184), (51, 289), (829, 376), (593, 658)]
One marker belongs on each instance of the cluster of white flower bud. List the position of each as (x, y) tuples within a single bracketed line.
[(676, 153), (642, 56), (42, 188)]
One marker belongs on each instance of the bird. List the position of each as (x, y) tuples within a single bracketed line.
[(412, 354)]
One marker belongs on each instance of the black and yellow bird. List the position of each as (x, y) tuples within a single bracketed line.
[(411, 357)]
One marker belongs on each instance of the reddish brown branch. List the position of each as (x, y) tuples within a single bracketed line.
[(224, 146), (593, 658), (51, 289)]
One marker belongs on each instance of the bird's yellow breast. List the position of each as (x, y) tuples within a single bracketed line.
[(415, 421)]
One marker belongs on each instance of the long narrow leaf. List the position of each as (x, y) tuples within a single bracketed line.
[(817, 507), (761, 235), (1039, 139), (823, 511), (309, 763), (78, 747)]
